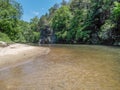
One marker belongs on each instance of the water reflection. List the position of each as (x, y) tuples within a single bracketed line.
[(66, 68)]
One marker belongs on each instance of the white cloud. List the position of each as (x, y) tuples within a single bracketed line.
[(42, 8), (36, 13), (67, 0)]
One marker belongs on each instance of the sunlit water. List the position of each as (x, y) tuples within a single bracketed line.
[(66, 68)]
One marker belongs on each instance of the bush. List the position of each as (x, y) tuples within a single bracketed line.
[(36, 37), (4, 37)]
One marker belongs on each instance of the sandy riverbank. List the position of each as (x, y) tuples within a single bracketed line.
[(18, 52)]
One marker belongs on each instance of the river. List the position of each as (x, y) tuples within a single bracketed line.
[(66, 67)]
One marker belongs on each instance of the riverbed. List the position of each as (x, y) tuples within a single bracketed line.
[(66, 67)]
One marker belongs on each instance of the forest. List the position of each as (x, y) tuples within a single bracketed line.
[(73, 22)]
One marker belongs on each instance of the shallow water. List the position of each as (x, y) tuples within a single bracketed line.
[(66, 68)]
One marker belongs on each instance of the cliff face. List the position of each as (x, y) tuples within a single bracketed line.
[(47, 36)]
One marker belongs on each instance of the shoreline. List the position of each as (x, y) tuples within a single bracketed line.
[(16, 53)]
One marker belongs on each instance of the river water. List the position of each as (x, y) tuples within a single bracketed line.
[(66, 68)]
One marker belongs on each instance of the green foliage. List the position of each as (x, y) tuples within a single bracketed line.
[(60, 22), (106, 30), (36, 36), (34, 23), (61, 19), (52, 11), (78, 21), (4, 37), (43, 21), (12, 28), (116, 10), (64, 2), (84, 21), (10, 13), (116, 19), (82, 35)]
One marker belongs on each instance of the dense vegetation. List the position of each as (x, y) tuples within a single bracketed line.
[(12, 28), (85, 21), (74, 22)]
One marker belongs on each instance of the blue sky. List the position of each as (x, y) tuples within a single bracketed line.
[(33, 8)]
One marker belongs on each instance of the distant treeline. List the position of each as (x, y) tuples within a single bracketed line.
[(84, 21), (73, 22)]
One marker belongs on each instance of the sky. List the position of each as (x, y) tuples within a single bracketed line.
[(32, 8)]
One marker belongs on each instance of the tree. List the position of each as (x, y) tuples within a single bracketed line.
[(60, 23), (43, 21), (99, 12), (84, 21), (11, 12), (34, 23), (52, 11), (79, 9), (64, 2), (116, 18), (34, 31)]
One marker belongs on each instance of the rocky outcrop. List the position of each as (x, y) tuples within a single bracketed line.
[(94, 38), (46, 36)]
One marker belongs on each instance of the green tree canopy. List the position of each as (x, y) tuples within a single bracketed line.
[(61, 22)]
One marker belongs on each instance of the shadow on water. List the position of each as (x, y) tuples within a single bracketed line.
[(67, 67)]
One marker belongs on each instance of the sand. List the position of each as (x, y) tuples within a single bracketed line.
[(20, 52)]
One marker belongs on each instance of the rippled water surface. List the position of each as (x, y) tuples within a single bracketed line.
[(66, 68)]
